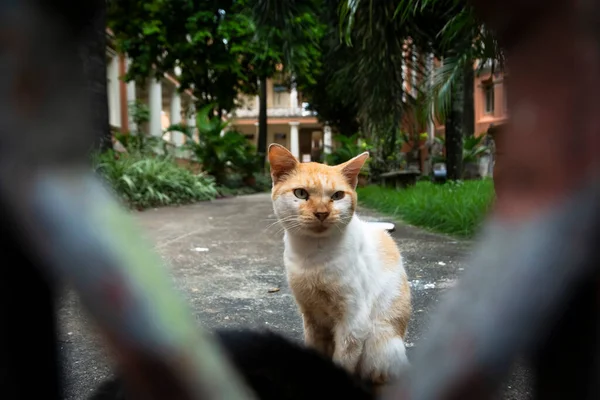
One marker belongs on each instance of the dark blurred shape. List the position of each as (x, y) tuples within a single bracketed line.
[(76, 16), (275, 369), (29, 365)]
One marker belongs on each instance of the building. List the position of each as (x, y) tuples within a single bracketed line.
[(289, 122), (165, 104), (491, 107)]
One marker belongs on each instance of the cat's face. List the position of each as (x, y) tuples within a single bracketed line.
[(313, 199)]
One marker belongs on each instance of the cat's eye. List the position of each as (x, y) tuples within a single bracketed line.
[(301, 194), (338, 195)]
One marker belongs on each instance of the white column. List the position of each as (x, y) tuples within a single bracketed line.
[(222, 133), (155, 103), (327, 140), (131, 99), (413, 73), (177, 137), (191, 120), (114, 99), (294, 97), (295, 139), (430, 123), (404, 75)]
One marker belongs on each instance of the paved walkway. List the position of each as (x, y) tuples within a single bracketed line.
[(226, 255)]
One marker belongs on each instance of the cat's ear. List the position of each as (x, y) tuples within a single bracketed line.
[(282, 162), (350, 169)]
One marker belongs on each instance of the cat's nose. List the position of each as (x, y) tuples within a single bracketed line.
[(322, 215)]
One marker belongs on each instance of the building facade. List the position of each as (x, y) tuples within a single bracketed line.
[(489, 95), (289, 122), (166, 105), (491, 107)]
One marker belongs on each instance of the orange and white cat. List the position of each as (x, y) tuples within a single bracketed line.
[(346, 275)]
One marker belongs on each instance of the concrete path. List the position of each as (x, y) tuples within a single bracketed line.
[(225, 256)]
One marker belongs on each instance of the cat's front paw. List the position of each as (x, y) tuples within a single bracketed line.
[(347, 352), (384, 377)]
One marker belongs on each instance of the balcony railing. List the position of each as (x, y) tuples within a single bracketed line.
[(275, 112)]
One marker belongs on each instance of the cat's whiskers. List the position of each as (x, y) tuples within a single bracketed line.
[(295, 226), (281, 221)]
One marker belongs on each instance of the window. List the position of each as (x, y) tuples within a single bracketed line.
[(488, 94), (280, 138), (278, 91)]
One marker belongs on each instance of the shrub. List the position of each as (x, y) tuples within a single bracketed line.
[(347, 148), (144, 181), (143, 144), (221, 154), (236, 185)]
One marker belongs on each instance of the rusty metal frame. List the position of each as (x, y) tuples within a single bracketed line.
[(62, 225)]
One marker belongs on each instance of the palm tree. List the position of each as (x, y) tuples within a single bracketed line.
[(379, 32), (450, 30)]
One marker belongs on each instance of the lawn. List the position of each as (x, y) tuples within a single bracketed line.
[(455, 208)]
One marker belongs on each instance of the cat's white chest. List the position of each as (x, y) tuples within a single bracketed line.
[(318, 289), (325, 269)]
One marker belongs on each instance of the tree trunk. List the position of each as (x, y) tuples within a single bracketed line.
[(92, 50), (469, 101), (262, 117), (454, 126)]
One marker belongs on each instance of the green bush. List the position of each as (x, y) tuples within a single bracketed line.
[(236, 185), (143, 144), (347, 148), (144, 181), (456, 208), (220, 154), (473, 148)]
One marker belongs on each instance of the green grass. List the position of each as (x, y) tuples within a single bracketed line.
[(455, 208)]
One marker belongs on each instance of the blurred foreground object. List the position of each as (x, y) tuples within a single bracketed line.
[(532, 291), (61, 224), (534, 286)]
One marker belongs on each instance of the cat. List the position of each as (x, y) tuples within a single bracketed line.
[(274, 368), (347, 276)]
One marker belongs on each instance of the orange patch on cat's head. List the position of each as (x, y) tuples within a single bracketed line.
[(322, 207)]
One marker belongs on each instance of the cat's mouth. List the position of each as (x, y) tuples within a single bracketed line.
[(320, 228)]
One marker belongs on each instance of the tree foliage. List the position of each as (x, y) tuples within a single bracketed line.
[(223, 48), (448, 29), (206, 39), (333, 99)]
